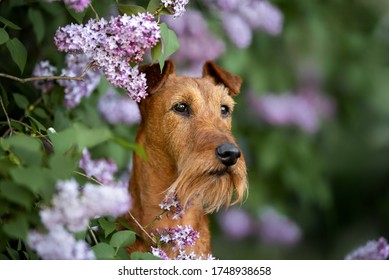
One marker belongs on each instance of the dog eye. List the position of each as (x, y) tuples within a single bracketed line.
[(225, 111), (181, 109)]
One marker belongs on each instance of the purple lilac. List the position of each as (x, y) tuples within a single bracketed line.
[(275, 228), (197, 44), (103, 170), (172, 206), (177, 7), (112, 46), (303, 109), (116, 108), (180, 237), (77, 5), (42, 69), (59, 244), (237, 29), (76, 90), (236, 223), (372, 250)]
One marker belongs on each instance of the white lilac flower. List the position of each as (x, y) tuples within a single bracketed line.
[(76, 90), (59, 244), (112, 46), (236, 223), (372, 250), (42, 69), (177, 6), (116, 108), (277, 229), (172, 206)]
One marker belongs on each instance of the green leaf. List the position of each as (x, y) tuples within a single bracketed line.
[(62, 166), (18, 52), (130, 9), (103, 251), (143, 256), (25, 148), (37, 124), (4, 96), (131, 146), (17, 194), (17, 227), (13, 253), (156, 51), (79, 17), (38, 23), (107, 226), (9, 24), (122, 238), (170, 41), (21, 101), (4, 37), (35, 178), (153, 6)]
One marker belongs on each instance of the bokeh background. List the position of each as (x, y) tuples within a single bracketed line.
[(312, 117)]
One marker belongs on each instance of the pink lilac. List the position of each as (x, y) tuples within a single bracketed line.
[(112, 46), (197, 44), (59, 244), (42, 69), (116, 108), (304, 109), (180, 237), (76, 90), (236, 223), (103, 170), (159, 253), (372, 250), (77, 5), (172, 206), (237, 29), (277, 229), (177, 6)]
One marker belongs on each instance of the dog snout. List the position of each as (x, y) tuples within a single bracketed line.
[(228, 153)]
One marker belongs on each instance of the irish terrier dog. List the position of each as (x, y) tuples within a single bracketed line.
[(191, 153)]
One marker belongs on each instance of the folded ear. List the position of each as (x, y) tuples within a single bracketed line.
[(156, 78), (231, 81)]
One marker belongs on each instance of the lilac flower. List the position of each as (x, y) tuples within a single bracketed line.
[(225, 5), (177, 6), (77, 5), (42, 69), (116, 108), (76, 90), (173, 206), (237, 29), (112, 46), (59, 244), (197, 44), (236, 223), (159, 253), (304, 109), (275, 228), (180, 237), (102, 170), (372, 250)]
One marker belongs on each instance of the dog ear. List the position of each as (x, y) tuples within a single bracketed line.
[(231, 81), (156, 78)]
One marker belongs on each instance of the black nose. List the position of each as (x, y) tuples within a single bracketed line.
[(228, 153)]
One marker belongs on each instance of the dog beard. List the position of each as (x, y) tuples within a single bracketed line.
[(210, 185)]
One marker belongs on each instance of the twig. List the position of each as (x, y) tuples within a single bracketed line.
[(6, 115), (92, 234), (140, 226), (93, 9), (48, 78), (88, 177)]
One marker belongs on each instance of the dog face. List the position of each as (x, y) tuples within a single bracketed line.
[(194, 120)]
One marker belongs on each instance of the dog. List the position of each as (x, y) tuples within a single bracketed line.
[(191, 154)]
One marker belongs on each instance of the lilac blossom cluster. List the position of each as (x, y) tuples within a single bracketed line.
[(197, 43), (112, 46), (77, 5), (172, 206), (42, 69), (180, 238), (372, 250), (177, 7), (240, 18), (271, 227), (76, 90), (116, 108), (70, 211), (304, 109)]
